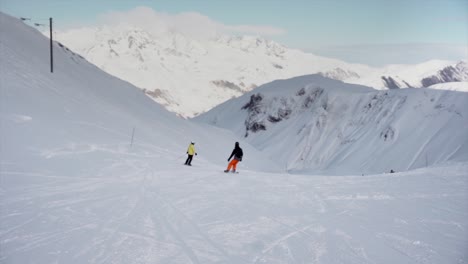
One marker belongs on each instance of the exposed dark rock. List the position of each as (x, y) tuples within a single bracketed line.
[(227, 84), (284, 113), (428, 81), (253, 103), (252, 123), (256, 126), (387, 134), (390, 83), (160, 96), (112, 51), (312, 97), (301, 92), (407, 84), (277, 66), (273, 119), (155, 94), (448, 74), (325, 104), (66, 49)]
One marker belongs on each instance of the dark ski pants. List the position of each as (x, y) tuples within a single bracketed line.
[(189, 160)]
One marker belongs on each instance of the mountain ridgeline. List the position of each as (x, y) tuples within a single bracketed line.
[(190, 76), (311, 123)]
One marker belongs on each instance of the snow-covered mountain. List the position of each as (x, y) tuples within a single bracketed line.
[(456, 73), (312, 123), (74, 188), (416, 76), (190, 76)]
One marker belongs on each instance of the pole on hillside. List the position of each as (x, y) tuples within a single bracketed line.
[(133, 133), (51, 48)]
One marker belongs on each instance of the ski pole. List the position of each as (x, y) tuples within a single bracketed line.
[(180, 156)]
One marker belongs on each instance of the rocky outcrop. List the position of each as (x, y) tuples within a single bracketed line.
[(253, 108), (452, 73), (457, 73), (265, 111), (390, 83), (228, 85)]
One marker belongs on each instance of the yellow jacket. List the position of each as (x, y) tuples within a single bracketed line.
[(191, 149)]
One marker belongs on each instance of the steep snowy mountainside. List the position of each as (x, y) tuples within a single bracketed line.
[(311, 123), (190, 76), (456, 73), (80, 108)]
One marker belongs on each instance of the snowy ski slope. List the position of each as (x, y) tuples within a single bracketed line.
[(74, 189)]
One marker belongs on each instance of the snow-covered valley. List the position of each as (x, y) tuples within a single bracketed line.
[(91, 172)]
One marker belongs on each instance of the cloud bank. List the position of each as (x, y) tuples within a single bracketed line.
[(384, 54), (187, 23)]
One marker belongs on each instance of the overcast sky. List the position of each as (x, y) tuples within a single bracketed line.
[(374, 32)]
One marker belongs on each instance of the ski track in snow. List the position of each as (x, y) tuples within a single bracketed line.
[(133, 212)]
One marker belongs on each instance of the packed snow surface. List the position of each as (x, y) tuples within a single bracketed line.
[(133, 210), (77, 187)]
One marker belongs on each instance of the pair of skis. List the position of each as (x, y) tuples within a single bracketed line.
[(231, 172)]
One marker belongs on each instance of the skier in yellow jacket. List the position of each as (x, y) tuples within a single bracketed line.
[(190, 152)]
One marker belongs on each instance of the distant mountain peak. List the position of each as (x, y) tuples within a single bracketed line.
[(451, 73), (253, 44)]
